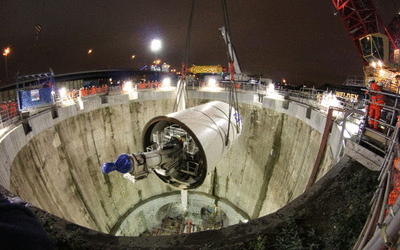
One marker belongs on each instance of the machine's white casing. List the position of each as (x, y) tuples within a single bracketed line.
[(207, 124)]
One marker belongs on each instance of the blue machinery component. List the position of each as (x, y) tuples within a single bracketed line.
[(182, 147), (37, 90)]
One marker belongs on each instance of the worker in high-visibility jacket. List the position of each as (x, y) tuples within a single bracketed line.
[(4, 111), (12, 107), (376, 104)]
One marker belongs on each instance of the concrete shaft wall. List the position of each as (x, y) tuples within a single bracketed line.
[(59, 168)]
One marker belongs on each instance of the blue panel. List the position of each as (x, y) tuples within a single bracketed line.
[(35, 98)]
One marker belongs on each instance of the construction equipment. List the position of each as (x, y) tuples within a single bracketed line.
[(378, 50), (37, 91), (238, 75), (206, 69), (182, 147)]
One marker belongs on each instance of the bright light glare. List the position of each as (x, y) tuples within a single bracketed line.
[(380, 64), (63, 92), (271, 93), (351, 129), (128, 87), (330, 100), (270, 89), (374, 64), (212, 83), (212, 86), (166, 82), (383, 73), (6, 51), (155, 45)]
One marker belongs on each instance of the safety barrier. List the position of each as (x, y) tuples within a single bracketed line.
[(9, 114), (383, 223), (321, 99), (386, 124)]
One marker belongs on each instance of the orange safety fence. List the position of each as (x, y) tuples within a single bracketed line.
[(89, 91), (8, 110), (394, 194), (150, 85)]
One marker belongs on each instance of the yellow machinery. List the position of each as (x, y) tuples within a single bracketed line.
[(205, 69)]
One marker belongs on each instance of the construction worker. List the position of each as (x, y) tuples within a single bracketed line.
[(4, 111), (106, 88), (12, 108), (376, 104)]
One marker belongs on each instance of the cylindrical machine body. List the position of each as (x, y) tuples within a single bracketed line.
[(207, 125)]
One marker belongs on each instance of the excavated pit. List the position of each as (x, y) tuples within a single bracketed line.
[(59, 169)]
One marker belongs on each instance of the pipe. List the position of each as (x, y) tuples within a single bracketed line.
[(374, 215), (385, 198), (321, 151), (207, 127), (393, 227)]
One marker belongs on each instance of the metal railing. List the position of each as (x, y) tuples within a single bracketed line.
[(9, 114), (383, 223), (354, 81), (386, 126)]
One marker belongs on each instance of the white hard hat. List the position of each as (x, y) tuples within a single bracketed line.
[(380, 84), (372, 80)]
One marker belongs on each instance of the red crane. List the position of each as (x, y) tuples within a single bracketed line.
[(379, 52), (360, 18)]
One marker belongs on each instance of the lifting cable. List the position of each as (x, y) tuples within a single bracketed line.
[(181, 91), (233, 99), (37, 28)]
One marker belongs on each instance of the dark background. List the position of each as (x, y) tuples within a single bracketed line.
[(301, 41)]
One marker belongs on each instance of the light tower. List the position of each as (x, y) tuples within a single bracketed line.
[(5, 54), (155, 46)]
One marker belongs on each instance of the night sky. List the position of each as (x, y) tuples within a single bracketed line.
[(301, 41)]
